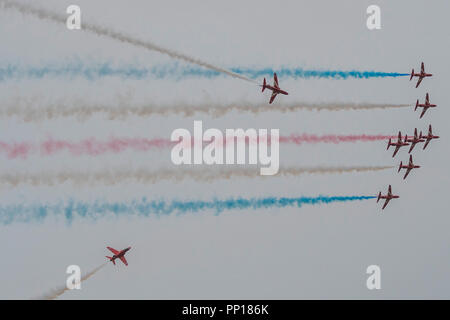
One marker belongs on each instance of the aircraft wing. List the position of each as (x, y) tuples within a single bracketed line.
[(407, 172), (423, 111), (274, 94), (386, 203), (122, 258), (113, 250), (275, 81), (413, 144), (396, 150), (419, 81)]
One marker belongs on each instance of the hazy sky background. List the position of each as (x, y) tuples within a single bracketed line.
[(310, 252)]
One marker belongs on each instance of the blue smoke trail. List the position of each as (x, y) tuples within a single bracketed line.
[(143, 207), (306, 74), (175, 71)]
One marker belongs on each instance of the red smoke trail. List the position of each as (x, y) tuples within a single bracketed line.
[(15, 150), (94, 147)]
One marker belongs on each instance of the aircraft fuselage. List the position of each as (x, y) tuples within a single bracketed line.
[(120, 254), (389, 197), (277, 90), (426, 105), (422, 75)]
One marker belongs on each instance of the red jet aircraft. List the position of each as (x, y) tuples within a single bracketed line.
[(275, 88), (414, 140), (421, 75), (428, 137), (118, 254), (408, 167), (425, 105), (388, 197), (398, 144)]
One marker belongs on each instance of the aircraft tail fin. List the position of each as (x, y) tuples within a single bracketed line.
[(412, 75), (417, 104), (389, 144), (111, 259), (379, 196), (400, 166), (264, 85)]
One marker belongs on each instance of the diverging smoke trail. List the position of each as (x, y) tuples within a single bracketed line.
[(145, 208), (148, 177), (59, 291), (82, 111), (174, 71), (104, 32), (95, 147)]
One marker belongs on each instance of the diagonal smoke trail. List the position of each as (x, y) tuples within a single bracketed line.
[(149, 177), (144, 208), (25, 110), (104, 32), (59, 291)]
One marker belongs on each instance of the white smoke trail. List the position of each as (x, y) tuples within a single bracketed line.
[(59, 291), (24, 109), (148, 177), (104, 32)]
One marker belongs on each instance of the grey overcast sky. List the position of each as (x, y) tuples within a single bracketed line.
[(310, 252)]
